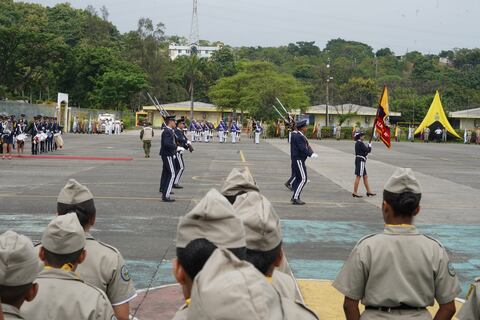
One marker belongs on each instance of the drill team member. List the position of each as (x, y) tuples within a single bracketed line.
[(228, 288), (19, 267), (290, 180), (104, 266), (398, 273), (239, 181), (361, 154), (146, 135), (221, 131), (471, 308), (210, 224), (258, 132), (182, 142), (300, 150), (168, 150), (234, 131), (264, 240), (61, 293)]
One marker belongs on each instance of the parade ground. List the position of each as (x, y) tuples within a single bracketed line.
[(318, 236)]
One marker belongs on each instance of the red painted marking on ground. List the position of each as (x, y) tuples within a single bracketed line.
[(159, 304), (72, 157)]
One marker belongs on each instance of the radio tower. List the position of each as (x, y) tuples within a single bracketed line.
[(194, 32)]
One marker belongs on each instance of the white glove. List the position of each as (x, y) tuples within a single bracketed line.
[(189, 142), (370, 145), (180, 149), (314, 156)]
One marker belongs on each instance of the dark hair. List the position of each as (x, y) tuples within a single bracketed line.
[(85, 211), (403, 204), (263, 260), (194, 256), (58, 260), (14, 295)]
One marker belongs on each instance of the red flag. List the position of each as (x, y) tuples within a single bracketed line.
[(381, 120)]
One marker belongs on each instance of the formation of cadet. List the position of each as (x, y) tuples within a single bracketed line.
[(215, 243), (232, 249), (300, 150), (44, 132), (173, 145), (66, 282), (361, 155)]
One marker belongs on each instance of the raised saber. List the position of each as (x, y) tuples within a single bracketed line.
[(280, 114), (282, 105), (155, 104), (158, 103)]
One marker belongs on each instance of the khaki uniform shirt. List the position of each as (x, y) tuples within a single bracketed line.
[(63, 295), (181, 313), (471, 308), (399, 266), (11, 313), (284, 284), (105, 269)]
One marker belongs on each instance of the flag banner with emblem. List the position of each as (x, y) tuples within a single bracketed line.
[(381, 121)]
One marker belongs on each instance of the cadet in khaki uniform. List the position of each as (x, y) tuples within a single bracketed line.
[(62, 294), (239, 181), (210, 224), (245, 293), (146, 135), (264, 240), (471, 308), (19, 267), (104, 266), (398, 273)]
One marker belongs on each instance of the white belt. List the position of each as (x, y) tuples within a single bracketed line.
[(362, 157)]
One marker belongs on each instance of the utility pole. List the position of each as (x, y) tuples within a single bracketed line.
[(328, 93), (194, 41)]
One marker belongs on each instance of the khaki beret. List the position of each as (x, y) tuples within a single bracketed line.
[(214, 219), (74, 193), (228, 288), (403, 180), (64, 235), (262, 225), (239, 181), (19, 262)]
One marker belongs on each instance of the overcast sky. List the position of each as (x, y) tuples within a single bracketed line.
[(428, 26)]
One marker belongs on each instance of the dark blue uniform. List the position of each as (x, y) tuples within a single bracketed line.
[(361, 153), (179, 163), (168, 151), (299, 151)]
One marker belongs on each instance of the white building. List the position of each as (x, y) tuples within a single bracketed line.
[(175, 51), (465, 119)]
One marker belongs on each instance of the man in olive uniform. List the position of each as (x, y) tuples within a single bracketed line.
[(471, 308), (19, 267), (398, 273), (62, 294), (264, 240), (245, 293), (210, 224), (146, 135), (104, 266), (239, 181)]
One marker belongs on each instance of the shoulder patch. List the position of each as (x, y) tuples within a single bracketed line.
[(434, 240), (124, 273), (113, 318), (366, 237), (451, 269)]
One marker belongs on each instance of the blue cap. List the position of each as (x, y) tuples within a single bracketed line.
[(301, 124)]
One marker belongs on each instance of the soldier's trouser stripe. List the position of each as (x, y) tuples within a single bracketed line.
[(182, 168), (362, 168), (172, 177), (302, 183)]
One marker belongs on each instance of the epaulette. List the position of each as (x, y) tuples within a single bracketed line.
[(109, 246), (366, 237), (433, 239)]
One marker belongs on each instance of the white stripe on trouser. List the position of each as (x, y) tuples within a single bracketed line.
[(302, 183), (362, 168), (180, 171), (172, 178)]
